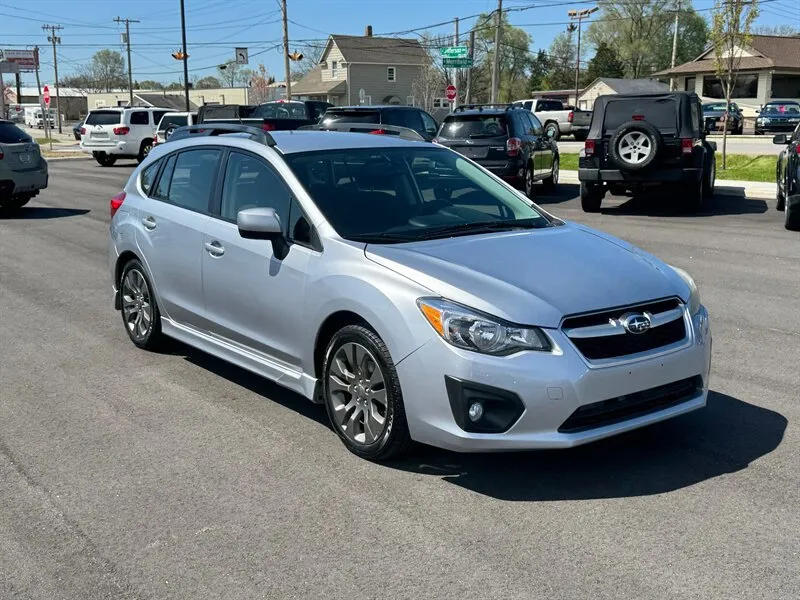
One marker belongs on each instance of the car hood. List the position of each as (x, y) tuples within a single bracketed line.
[(534, 277)]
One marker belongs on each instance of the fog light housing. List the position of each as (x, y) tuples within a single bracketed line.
[(479, 408)]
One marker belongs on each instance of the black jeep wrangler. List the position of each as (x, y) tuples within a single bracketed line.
[(638, 141)]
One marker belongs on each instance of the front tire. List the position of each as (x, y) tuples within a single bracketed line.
[(362, 395), (781, 204), (140, 313), (591, 196), (529, 180)]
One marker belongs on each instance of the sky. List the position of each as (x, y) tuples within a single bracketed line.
[(216, 27)]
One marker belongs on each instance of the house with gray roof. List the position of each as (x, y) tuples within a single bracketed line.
[(363, 70), (603, 86)]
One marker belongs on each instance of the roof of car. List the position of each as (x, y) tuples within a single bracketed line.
[(374, 107), (292, 142), (487, 112)]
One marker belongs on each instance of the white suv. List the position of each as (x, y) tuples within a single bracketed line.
[(112, 133)]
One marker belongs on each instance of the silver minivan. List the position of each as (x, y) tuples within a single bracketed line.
[(415, 294)]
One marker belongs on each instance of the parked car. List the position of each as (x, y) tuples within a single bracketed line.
[(557, 118), (409, 117), (715, 114), (396, 283), (787, 175), (647, 140), (23, 170), (778, 116), (76, 130), (280, 115), (170, 122), (109, 134), (505, 139)]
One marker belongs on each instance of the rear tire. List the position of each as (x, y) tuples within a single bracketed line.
[(144, 150), (362, 395), (140, 314), (693, 196), (550, 183), (591, 197), (710, 178), (14, 203), (792, 214), (552, 126), (105, 160)]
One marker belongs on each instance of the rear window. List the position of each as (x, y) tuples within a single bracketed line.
[(714, 107), (402, 118), (661, 113), (351, 116), (174, 120), (11, 134), (104, 117), (549, 105), (474, 127), (281, 110)]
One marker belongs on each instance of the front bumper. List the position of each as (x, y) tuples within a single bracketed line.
[(551, 387), (781, 127), (119, 148), (640, 178)]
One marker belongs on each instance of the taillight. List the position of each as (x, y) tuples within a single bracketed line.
[(378, 131), (268, 127), (570, 117), (116, 202), (687, 144), (155, 139), (1, 155), (637, 118), (513, 145), (588, 147), (121, 130), (83, 130)]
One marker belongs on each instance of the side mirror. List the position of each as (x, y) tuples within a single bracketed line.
[(781, 139), (758, 111), (263, 224)]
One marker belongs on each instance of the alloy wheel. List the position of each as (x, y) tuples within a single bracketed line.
[(556, 168), (137, 308), (357, 389), (635, 147), (529, 182)]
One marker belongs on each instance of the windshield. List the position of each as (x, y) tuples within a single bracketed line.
[(717, 107), (782, 109), (104, 117), (281, 110), (407, 194), (473, 127)]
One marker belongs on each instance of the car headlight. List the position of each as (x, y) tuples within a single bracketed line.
[(472, 330), (763, 120), (694, 293)]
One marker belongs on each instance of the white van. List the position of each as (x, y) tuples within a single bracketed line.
[(109, 134), (34, 119)]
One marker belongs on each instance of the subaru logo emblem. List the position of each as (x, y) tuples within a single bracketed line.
[(635, 323)]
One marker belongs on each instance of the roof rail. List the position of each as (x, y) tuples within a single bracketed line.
[(503, 105), (405, 133), (214, 129)]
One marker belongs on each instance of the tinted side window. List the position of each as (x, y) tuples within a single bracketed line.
[(402, 118), (162, 189), (251, 183), (537, 125), (528, 105), (299, 227), (140, 118), (157, 115), (429, 123), (11, 134), (148, 177), (193, 178)]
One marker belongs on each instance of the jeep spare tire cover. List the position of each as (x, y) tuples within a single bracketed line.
[(634, 145)]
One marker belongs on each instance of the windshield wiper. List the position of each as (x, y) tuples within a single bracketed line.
[(381, 238), (481, 227)]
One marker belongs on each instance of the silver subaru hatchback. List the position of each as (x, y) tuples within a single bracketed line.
[(416, 295)]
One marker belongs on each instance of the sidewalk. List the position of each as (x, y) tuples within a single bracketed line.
[(751, 189)]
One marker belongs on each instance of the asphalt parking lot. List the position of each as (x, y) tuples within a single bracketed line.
[(126, 474)]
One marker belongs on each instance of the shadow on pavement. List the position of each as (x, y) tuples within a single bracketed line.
[(725, 437), (29, 213), (564, 192), (726, 201)]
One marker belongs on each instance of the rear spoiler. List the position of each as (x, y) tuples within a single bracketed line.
[(373, 128)]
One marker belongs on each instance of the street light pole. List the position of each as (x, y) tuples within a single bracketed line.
[(579, 15), (185, 57)]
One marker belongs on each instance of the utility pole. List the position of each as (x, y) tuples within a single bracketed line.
[(496, 61), (185, 58), (286, 50), (128, 42), (469, 71), (579, 15), (455, 71), (675, 45), (54, 39), (39, 87)]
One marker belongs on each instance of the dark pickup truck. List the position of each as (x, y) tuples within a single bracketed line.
[(280, 115)]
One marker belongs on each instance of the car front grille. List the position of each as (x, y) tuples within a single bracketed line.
[(630, 406), (600, 336)]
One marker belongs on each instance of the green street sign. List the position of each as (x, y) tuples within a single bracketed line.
[(457, 63), (454, 52)]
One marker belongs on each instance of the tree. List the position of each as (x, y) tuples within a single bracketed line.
[(514, 59), (563, 51), (540, 67), (311, 55), (148, 84), (232, 74), (692, 38), (104, 73), (730, 34), (260, 82), (605, 63), (784, 30), (428, 85), (208, 83)]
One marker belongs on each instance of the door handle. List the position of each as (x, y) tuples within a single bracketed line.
[(214, 248), (149, 223)]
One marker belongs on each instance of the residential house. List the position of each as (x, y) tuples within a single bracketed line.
[(604, 86), (363, 70), (769, 69)]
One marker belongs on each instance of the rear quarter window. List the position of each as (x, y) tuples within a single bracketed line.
[(148, 177), (661, 113), (140, 117), (474, 126), (104, 117)]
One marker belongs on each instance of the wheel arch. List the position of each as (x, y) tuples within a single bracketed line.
[(328, 328)]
